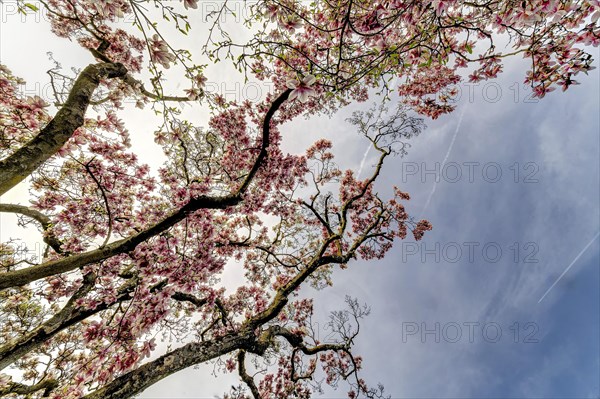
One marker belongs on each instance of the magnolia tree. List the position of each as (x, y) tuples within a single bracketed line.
[(132, 256)]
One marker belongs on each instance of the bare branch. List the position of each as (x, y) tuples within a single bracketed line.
[(241, 358), (43, 220)]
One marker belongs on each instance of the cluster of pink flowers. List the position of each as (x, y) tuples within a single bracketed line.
[(283, 14), (160, 52), (391, 37), (20, 116)]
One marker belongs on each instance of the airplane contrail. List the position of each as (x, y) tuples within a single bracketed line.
[(444, 161), (568, 267), (362, 163)]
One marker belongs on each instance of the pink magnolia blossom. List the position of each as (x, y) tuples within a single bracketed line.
[(441, 5), (190, 4), (109, 8), (272, 12), (160, 52), (290, 23), (302, 90)]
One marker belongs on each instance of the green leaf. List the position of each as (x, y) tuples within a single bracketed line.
[(31, 7)]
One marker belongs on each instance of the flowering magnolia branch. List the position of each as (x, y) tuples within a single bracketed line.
[(23, 276), (425, 43), (51, 138), (244, 339)]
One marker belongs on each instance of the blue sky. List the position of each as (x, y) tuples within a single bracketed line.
[(551, 212)]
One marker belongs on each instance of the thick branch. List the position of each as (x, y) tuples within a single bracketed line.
[(265, 138), (51, 138), (193, 353), (281, 297), (297, 342), (21, 389), (183, 297), (43, 220)]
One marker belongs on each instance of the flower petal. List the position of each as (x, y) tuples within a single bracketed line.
[(291, 84), (309, 80)]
